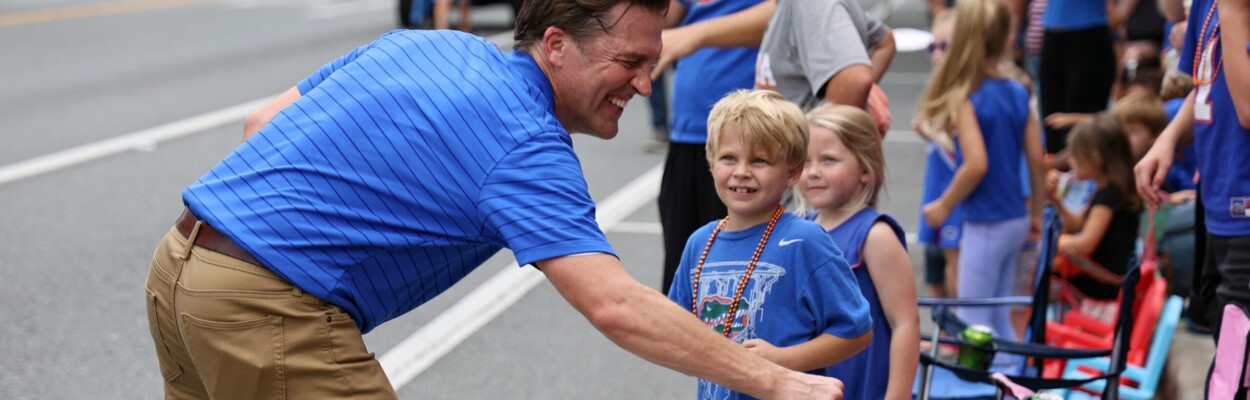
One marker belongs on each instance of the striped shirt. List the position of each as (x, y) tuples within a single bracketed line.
[(404, 165)]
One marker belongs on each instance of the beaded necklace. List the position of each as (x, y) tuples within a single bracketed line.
[(746, 276), (1202, 47)]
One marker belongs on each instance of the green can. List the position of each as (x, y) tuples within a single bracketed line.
[(977, 347)]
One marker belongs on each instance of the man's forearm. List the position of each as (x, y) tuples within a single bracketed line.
[(644, 322)]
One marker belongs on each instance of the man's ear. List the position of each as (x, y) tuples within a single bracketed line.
[(556, 45)]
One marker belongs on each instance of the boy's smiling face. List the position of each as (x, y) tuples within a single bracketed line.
[(749, 181)]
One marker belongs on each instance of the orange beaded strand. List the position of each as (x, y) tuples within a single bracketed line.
[(746, 276), (1202, 44)]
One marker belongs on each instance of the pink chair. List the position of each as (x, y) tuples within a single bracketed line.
[(1229, 375)]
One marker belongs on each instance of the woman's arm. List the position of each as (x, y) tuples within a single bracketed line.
[(891, 272), (820, 352), (676, 13), (969, 174), (743, 28)]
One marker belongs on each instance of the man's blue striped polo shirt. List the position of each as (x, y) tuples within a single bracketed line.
[(404, 165)]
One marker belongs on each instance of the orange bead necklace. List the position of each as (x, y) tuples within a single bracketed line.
[(746, 276), (1202, 48)]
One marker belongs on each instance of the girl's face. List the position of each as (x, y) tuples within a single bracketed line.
[(832, 177), (1085, 166), (941, 39)]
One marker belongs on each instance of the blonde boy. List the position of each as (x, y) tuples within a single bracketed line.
[(761, 277)]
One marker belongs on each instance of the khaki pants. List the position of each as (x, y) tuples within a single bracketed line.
[(227, 329)]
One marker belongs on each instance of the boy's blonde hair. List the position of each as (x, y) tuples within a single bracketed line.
[(1141, 109), (765, 120), (859, 134), (979, 40)]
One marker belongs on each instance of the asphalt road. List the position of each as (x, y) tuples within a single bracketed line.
[(79, 220)]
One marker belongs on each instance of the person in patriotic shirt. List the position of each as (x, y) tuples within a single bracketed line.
[(1216, 118)]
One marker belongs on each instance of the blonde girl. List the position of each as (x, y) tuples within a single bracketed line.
[(844, 173), (995, 134)]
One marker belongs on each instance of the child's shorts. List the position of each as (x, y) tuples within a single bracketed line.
[(934, 265), (945, 237)]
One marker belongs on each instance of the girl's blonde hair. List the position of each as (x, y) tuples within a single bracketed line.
[(979, 40), (765, 120), (1102, 139), (859, 134)]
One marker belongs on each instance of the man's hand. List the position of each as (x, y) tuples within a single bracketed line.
[(806, 386)]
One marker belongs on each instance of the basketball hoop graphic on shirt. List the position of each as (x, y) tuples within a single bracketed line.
[(716, 292)]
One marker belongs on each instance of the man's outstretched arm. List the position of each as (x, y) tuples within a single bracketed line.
[(644, 322)]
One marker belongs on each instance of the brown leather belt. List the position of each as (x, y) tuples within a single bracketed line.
[(210, 239)]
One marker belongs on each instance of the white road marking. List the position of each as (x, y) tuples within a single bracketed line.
[(642, 228), (326, 10), (147, 140), (143, 140), (440, 336)]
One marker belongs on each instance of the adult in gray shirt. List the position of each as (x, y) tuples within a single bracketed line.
[(819, 50)]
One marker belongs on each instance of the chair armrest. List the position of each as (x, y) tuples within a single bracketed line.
[(975, 302), (1087, 323)]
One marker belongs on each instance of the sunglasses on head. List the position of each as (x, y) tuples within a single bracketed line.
[(935, 46)]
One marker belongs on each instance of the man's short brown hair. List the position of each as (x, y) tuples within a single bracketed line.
[(580, 18)]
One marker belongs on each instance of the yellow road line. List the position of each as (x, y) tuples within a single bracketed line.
[(93, 10)]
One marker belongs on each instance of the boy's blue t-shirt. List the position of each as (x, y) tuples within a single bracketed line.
[(801, 287), (705, 76), (866, 375), (1002, 109), (1220, 140)]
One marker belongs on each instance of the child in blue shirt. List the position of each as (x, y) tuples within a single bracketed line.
[(969, 94), (845, 171), (761, 277)]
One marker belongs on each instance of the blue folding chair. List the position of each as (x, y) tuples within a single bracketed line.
[(1033, 345)]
